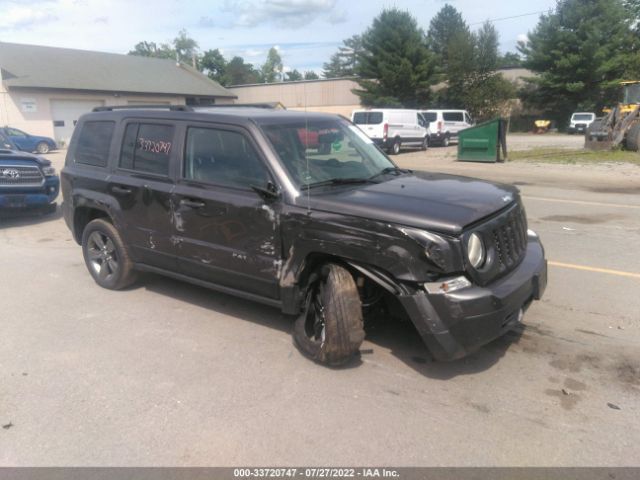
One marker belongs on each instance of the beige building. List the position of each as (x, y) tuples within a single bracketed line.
[(328, 96), (44, 90)]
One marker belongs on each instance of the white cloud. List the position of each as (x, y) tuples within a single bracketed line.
[(282, 13), (523, 37), (16, 17)]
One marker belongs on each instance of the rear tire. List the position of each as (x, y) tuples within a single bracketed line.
[(425, 144), (446, 140), (395, 148), (633, 138), (330, 329), (106, 256), (42, 147)]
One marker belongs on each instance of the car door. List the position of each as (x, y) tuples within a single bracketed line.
[(20, 139), (142, 184), (228, 234)]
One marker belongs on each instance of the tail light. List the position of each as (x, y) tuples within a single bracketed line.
[(439, 126), (385, 131)]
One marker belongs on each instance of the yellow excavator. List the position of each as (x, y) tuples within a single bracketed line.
[(620, 124)]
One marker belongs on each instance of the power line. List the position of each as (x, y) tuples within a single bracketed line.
[(509, 18)]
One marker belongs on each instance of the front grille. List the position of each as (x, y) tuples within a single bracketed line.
[(510, 239), (581, 125), (20, 176)]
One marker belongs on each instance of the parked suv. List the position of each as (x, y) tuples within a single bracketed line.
[(27, 182), (393, 129), (234, 200), (444, 125)]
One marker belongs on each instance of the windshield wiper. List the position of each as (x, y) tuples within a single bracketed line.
[(337, 181), (384, 171)]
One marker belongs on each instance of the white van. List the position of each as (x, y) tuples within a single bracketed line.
[(392, 129), (444, 125), (580, 121)]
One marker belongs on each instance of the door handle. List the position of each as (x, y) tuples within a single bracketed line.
[(187, 202), (121, 190)]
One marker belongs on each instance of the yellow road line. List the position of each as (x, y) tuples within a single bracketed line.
[(580, 202), (594, 269)]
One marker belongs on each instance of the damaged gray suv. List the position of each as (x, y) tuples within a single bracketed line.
[(304, 213)]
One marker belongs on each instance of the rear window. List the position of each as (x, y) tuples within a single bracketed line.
[(94, 142), (453, 116), (367, 118), (147, 148), (430, 116)]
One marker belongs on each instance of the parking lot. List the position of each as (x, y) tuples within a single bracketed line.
[(167, 373)]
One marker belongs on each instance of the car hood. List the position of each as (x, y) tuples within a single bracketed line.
[(17, 157), (431, 201)]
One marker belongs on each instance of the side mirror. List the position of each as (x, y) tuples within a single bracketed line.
[(268, 191)]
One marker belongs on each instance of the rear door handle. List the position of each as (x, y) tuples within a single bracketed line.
[(121, 190), (187, 202)]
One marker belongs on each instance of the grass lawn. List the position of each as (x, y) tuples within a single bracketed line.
[(555, 155)]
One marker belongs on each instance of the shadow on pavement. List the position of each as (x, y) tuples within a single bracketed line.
[(22, 218), (399, 337)]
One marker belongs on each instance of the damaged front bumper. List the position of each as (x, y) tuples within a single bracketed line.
[(456, 323)]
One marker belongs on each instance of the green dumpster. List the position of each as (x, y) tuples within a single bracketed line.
[(483, 142)]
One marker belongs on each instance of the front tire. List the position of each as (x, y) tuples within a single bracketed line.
[(633, 138), (330, 329), (106, 256), (42, 147), (425, 144)]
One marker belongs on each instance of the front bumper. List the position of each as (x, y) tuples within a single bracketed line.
[(453, 325), (25, 198)]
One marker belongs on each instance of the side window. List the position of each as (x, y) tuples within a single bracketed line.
[(94, 143), (222, 157), (452, 116), (467, 119), (13, 132), (421, 121), (147, 148)]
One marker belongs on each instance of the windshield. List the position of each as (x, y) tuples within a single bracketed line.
[(324, 150), (582, 116), (367, 118), (632, 93), (430, 116)]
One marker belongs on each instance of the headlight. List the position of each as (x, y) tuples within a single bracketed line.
[(48, 171), (475, 251)]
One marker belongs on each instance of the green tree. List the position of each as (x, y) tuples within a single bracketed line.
[(343, 62), (311, 75), (151, 49), (473, 82), (444, 27), (395, 67), (214, 65), (240, 73), (510, 60), (272, 68), (294, 75), (580, 51), (186, 48)]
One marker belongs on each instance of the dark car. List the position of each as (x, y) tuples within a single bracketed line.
[(233, 199), (27, 182), (27, 142)]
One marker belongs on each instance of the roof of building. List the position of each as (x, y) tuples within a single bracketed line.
[(63, 68)]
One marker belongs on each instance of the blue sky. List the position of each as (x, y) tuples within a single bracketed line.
[(306, 32)]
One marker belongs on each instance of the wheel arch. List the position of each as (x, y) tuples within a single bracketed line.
[(82, 215)]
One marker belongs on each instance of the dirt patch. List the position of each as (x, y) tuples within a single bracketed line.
[(573, 384), (567, 400), (633, 190), (582, 219), (627, 373), (480, 407), (577, 363)]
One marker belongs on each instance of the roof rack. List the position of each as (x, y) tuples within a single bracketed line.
[(173, 108), (265, 105)]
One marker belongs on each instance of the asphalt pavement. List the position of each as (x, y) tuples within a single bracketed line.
[(166, 373)]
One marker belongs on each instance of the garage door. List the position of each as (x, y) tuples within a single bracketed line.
[(65, 114)]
